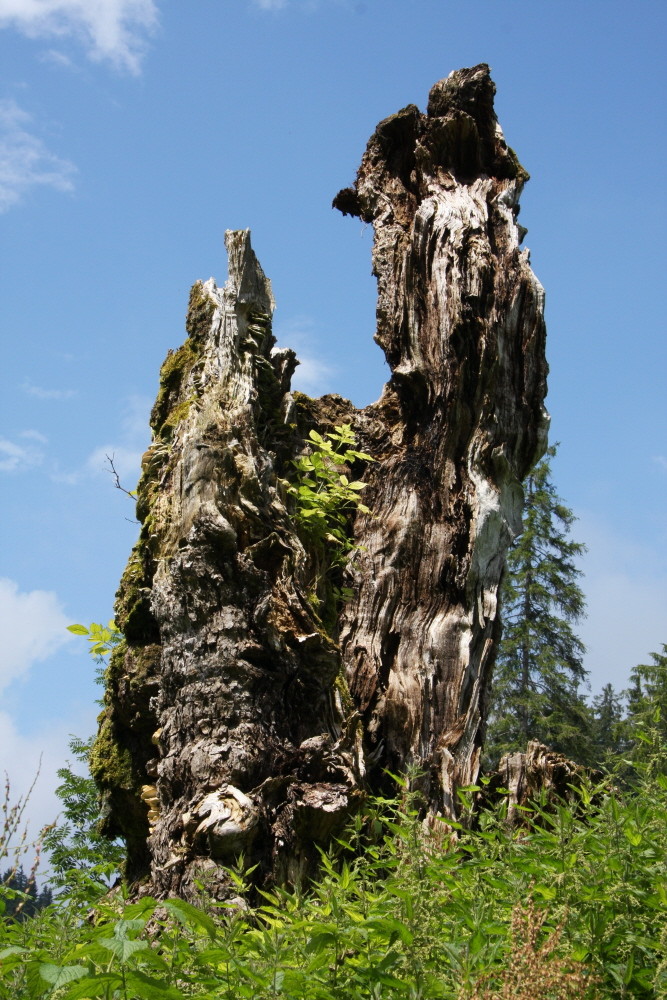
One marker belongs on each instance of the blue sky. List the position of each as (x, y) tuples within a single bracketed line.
[(134, 132)]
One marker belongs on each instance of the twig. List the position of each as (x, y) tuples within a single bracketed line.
[(119, 486), (117, 482)]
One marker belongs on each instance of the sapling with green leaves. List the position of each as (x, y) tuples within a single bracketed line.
[(325, 496), (103, 638), (326, 499), (83, 862)]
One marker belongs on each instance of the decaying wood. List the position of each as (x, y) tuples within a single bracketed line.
[(460, 319), (247, 711), (535, 772)]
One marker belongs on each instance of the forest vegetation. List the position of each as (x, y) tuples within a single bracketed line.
[(569, 903)]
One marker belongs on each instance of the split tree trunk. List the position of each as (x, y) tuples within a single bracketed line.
[(247, 711)]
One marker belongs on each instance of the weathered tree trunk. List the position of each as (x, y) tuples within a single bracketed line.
[(247, 713), (460, 318)]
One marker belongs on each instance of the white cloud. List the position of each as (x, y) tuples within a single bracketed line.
[(313, 375), (306, 5), (32, 625), (125, 449), (56, 58), (34, 436), (625, 585), (39, 754), (136, 414), (660, 461), (39, 393), (126, 462), (25, 162), (113, 30), (132, 442), (19, 457)]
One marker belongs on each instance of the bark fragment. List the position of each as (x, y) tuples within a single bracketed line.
[(236, 722)]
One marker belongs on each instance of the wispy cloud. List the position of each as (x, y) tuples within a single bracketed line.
[(126, 450), (126, 462), (40, 753), (307, 5), (39, 393), (112, 30), (56, 58), (24, 454), (25, 162), (314, 374), (660, 461), (32, 624)]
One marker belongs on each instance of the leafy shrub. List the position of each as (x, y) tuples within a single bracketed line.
[(323, 493), (576, 899)]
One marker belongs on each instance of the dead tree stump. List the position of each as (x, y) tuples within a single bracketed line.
[(249, 708)]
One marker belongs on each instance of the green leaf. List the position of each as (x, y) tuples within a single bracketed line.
[(123, 948), (104, 984), (13, 950), (189, 914), (545, 891), (78, 629), (147, 988), (60, 975), (632, 836)]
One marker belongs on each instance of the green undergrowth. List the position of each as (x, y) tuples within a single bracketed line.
[(576, 900)]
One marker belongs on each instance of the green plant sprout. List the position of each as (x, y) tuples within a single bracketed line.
[(325, 497), (103, 638)]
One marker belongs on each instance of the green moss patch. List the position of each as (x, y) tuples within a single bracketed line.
[(169, 409)]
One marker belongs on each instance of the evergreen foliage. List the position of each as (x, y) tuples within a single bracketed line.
[(22, 896), (609, 731), (83, 862), (535, 692), (647, 708), (572, 904)]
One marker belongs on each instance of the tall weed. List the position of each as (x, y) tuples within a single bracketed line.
[(571, 904)]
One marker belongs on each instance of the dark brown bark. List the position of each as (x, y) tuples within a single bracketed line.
[(242, 715)]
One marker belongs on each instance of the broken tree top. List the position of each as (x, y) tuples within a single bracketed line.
[(458, 135), (262, 688)]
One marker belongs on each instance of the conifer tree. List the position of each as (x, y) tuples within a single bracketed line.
[(19, 907), (539, 668), (609, 726), (646, 722)]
